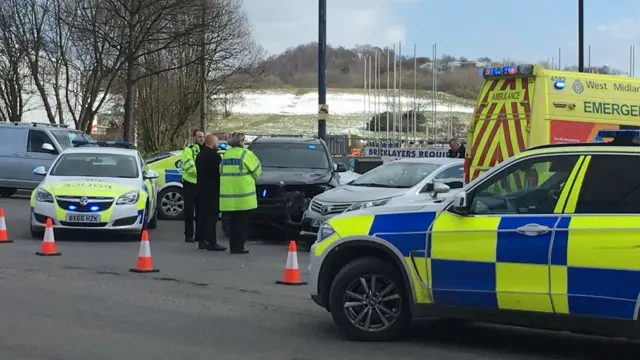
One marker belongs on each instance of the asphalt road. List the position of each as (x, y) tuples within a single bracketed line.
[(85, 304)]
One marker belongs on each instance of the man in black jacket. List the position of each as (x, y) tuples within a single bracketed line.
[(456, 150), (208, 171)]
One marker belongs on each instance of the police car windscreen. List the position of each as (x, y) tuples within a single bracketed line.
[(96, 165), (291, 155), (395, 175), (66, 137)]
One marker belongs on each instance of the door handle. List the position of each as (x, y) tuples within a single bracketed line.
[(533, 229)]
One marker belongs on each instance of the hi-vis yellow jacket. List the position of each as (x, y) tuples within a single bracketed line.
[(188, 160), (239, 170)]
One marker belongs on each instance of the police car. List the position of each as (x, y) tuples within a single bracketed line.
[(559, 251), (96, 185)]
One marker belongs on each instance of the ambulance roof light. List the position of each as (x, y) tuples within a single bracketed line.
[(520, 70), (118, 144)]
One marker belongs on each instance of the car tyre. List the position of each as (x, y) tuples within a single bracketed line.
[(7, 192), (35, 233), (384, 301), (153, 222), (171, 198)]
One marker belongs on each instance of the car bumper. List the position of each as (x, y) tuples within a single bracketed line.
[(314, 273), (311, 222), (126, 218)]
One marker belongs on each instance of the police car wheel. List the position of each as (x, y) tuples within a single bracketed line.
[(171, 204), (368, 301), (153, 222), (35, 233)]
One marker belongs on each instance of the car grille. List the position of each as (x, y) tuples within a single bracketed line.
[(94, 203), (329, 208)]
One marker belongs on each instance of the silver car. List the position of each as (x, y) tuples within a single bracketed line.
[(399, 181)]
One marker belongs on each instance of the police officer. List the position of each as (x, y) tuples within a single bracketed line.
[(208, 171), (456, 150), (189, 181), (238, 173)]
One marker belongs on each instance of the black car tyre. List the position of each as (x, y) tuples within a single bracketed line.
[(171, 203), (7, 192), (35, 233), (368, 301), (153, 222)]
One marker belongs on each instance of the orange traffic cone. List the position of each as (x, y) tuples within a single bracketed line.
[(291, 271), (4, 237), (145, 263), (49, 241)]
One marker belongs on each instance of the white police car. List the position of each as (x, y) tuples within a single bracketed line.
[(96, 185)]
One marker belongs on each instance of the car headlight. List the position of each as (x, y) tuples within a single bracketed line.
[(129, 198), (367, 204), (44, 196), (324, 232)]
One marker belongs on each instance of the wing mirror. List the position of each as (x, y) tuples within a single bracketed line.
[(340, 167), (40, 170), (48, 147), (460, 202), (150, 174)]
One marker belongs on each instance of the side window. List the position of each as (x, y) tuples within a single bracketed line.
[(531, 186), (611, 185), (38, 138), (452, 177)]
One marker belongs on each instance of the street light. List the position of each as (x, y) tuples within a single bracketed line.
[(581, 35), (322, 66)]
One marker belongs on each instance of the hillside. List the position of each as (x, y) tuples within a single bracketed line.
[(298, 67)]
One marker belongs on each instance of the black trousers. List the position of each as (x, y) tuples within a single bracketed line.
[(207, 215), (239, 229), (189, 193)]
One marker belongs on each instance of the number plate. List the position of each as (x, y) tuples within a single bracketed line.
[(316, 222), (82, 218)]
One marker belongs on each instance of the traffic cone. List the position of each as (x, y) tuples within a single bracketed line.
[(291, 274), (4, 237), (145, 263), (49, 241)]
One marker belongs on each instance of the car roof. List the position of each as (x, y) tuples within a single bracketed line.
[(100, 150), (285, 139), (581, 148), (433, 160)]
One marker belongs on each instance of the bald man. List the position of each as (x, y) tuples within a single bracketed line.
[(208, 170)]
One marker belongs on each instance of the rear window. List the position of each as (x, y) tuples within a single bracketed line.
[(291, 155), (96, 165)]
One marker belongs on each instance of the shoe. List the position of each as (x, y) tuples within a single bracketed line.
[(189, 239), (239, 252), (203, 245), (215, 247)]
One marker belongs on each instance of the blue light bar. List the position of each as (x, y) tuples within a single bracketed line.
[(311, 146), (521, 70), (223, 146), (264, 193), (618, 133), (118, 144)]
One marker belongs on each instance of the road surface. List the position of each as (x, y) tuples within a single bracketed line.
[(85, 304)]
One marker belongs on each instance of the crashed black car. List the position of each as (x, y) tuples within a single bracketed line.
[(294, 170)]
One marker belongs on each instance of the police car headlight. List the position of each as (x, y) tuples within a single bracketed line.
[(44, 196), (324, 232), (367, 204), (129, 198)]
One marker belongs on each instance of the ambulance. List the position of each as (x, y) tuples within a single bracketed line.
[(526, 105)]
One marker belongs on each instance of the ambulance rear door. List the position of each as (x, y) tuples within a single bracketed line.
[(501, 119)]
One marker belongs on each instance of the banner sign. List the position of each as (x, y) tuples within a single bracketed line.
[(402, 153)]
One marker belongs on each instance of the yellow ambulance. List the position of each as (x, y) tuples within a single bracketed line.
[(526, 105)]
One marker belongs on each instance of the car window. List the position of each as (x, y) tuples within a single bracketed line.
[(610, 186), (452, 177), (531, 186), (397, 174), (11, 138), (66, 137), (37, 138), (291, 155), (96, 165)]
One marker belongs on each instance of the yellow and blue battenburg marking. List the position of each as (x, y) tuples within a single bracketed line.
[(483, 262)]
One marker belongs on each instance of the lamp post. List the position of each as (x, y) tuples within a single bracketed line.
[(581, 35), (322, 65)]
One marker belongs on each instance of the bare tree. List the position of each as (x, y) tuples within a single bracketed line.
[(12, 72)]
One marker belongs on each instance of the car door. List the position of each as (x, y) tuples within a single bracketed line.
[(12, 153), (37, 156), (595, 270), (496, 256)]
